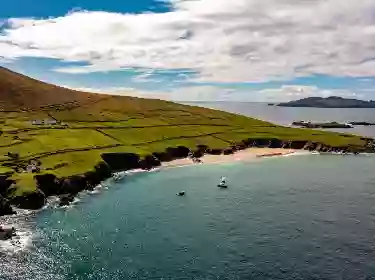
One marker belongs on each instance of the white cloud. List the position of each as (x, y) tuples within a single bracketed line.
[(216, 93), (224, 40), (193, 93)]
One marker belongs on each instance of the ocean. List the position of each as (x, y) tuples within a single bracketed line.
[(294, 217), (286, 115)]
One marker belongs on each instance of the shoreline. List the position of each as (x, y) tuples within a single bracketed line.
[(23, 238), (115, 165), (249, 154)]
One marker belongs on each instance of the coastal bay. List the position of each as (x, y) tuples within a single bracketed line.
[(59, 142), (281, 217)]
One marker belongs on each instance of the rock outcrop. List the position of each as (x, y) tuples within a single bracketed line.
[(68, 188), (172, 153), (49, 184), (5, 207), (121, 161), (66, 199), (33, 201), (214, 151), (100, 173), (149, 162), (275, 143), (5, 184), (179, 152)]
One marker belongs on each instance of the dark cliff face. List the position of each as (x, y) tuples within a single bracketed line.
[(5, 184), (32, 201), (298, 145), (5, 207), (73, 184), (68, 188), (172, 153), (121, 161), (261, 143), (179, 152), (149, 162), (214, 151), (275, 143), (100, 173), (49, 184)]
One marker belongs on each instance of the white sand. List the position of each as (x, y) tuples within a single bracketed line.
[(244, 155)]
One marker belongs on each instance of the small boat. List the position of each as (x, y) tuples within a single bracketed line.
[(223, 183), (7, 233), (181, 193)]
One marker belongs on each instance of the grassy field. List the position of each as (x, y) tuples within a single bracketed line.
[(81, 126), (74, 144)]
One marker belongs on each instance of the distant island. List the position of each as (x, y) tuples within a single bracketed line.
[(329, 102)]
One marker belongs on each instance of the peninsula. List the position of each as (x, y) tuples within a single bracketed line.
[(329, 102), (58, 142)]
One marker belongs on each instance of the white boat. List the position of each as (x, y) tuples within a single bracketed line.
[(223, 183)]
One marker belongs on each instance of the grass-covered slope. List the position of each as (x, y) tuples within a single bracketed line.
[(83, 126)]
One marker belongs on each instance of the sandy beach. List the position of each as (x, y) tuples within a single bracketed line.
[(244, 155)]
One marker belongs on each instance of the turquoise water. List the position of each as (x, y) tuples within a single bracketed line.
[(297, 217)]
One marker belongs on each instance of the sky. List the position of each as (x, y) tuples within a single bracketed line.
[(195, 50)]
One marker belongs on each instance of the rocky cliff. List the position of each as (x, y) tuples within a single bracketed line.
[(67, 188)]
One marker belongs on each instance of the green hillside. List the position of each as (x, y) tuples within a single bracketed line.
[(69, 138)]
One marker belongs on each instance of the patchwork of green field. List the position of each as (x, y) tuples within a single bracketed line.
[(293, 134), (73, 143), (36, 143)]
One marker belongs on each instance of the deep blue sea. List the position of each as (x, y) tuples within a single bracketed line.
[(295, 217)]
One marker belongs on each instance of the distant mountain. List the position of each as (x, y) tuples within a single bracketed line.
[(330, 102)]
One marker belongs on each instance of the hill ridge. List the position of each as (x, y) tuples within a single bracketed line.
[(20, 92)]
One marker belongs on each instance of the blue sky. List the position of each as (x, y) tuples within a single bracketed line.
[(194, 50)]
